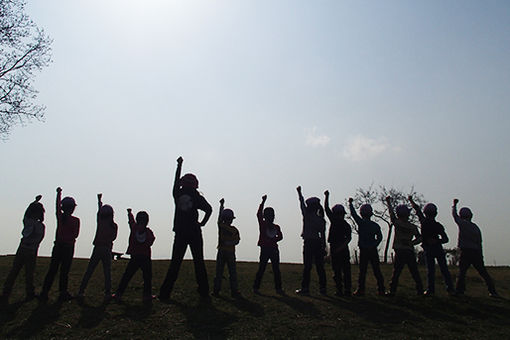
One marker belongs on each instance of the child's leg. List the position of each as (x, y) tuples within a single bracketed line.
[(67, 259), (94, 260), (413, 268), (197, 251), (264, 257), (232, 271), (106, 259), (178, 251), (480, 267), (131, 269), (374, 260), (308, 257), (146, 264), (345, 267), (13, 274), (400, 261), (319, 266), (441, 261), (336, 265), (56, 258), (431, 271), (363, 265), (220, 265), (30, 259), (275, 263)]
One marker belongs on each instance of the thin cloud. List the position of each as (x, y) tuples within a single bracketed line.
[(361, 148), (316, 140)]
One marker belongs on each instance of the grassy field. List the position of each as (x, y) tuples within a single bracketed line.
[(405, 316)]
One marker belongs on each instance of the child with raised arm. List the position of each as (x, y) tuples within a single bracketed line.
[(369, 238), (470, 244), (106, 233), (26, 255), (433, 238), (406, 237), (228, 238), (188, 232), (68, 228), (314, 239), (141, 239), (338, 239), (269, 236)]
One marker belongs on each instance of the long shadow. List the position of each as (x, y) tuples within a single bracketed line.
[(379, 311), (300, 306), (246, 305), (204, 321), (137, 312), (91, 316), (41, 316), (8, 312)]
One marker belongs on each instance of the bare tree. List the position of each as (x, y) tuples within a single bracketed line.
[(376, 196), (24, 49)]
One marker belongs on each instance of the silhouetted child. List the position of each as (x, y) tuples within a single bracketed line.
[(68, 228), (106, 233), (228, 238), (406, 237), (141, 239), (470, 244), (338, 239), (269, 236), (369, 238), (434, 236), (188, 231), (26, 255), (314, 239)]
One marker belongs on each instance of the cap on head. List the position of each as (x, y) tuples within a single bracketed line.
[(465, 213), (68, 203), (366, 210), (189, 181), (312, 201), (227, 215), (338, 209), (402, 210), (430, 210), (142, 218)]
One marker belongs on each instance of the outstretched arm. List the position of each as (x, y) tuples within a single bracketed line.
[(222, 207), (177, 175), (301, 200), (329, 213), (354, 214), (99, 202), (58, 202), (454, 210), (260, 211), (131, 219), (416, 208), (390, 210)]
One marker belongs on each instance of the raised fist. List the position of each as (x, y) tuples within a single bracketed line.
[(38, 198), (222, 201), (59, 189), (180, 160), (351, 200), (264, 197), (326, 193), (455, 201)]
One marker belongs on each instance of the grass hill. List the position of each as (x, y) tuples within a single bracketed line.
[(405, 316)]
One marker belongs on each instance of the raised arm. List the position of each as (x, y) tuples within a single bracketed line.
[(454, 210), (99, 202), (131, 219), (222, 207), (416, 208), (354, 214), (329, 213), (58, 208), (390, 209), (301, 200), (177, 176), (260, 211)]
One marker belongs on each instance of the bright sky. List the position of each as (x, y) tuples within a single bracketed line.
[(259, 97)]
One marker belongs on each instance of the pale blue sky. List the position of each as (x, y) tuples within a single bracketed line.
[(259, 97)]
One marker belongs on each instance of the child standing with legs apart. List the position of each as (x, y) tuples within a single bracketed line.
[(106, 233), (434, 236), (68, 228), (141, 239), (369, 238), (228, 238), (339, 238), (32, 235), (314, 247), (269, 236), (470, 244), (406, 237), (188, 231)]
